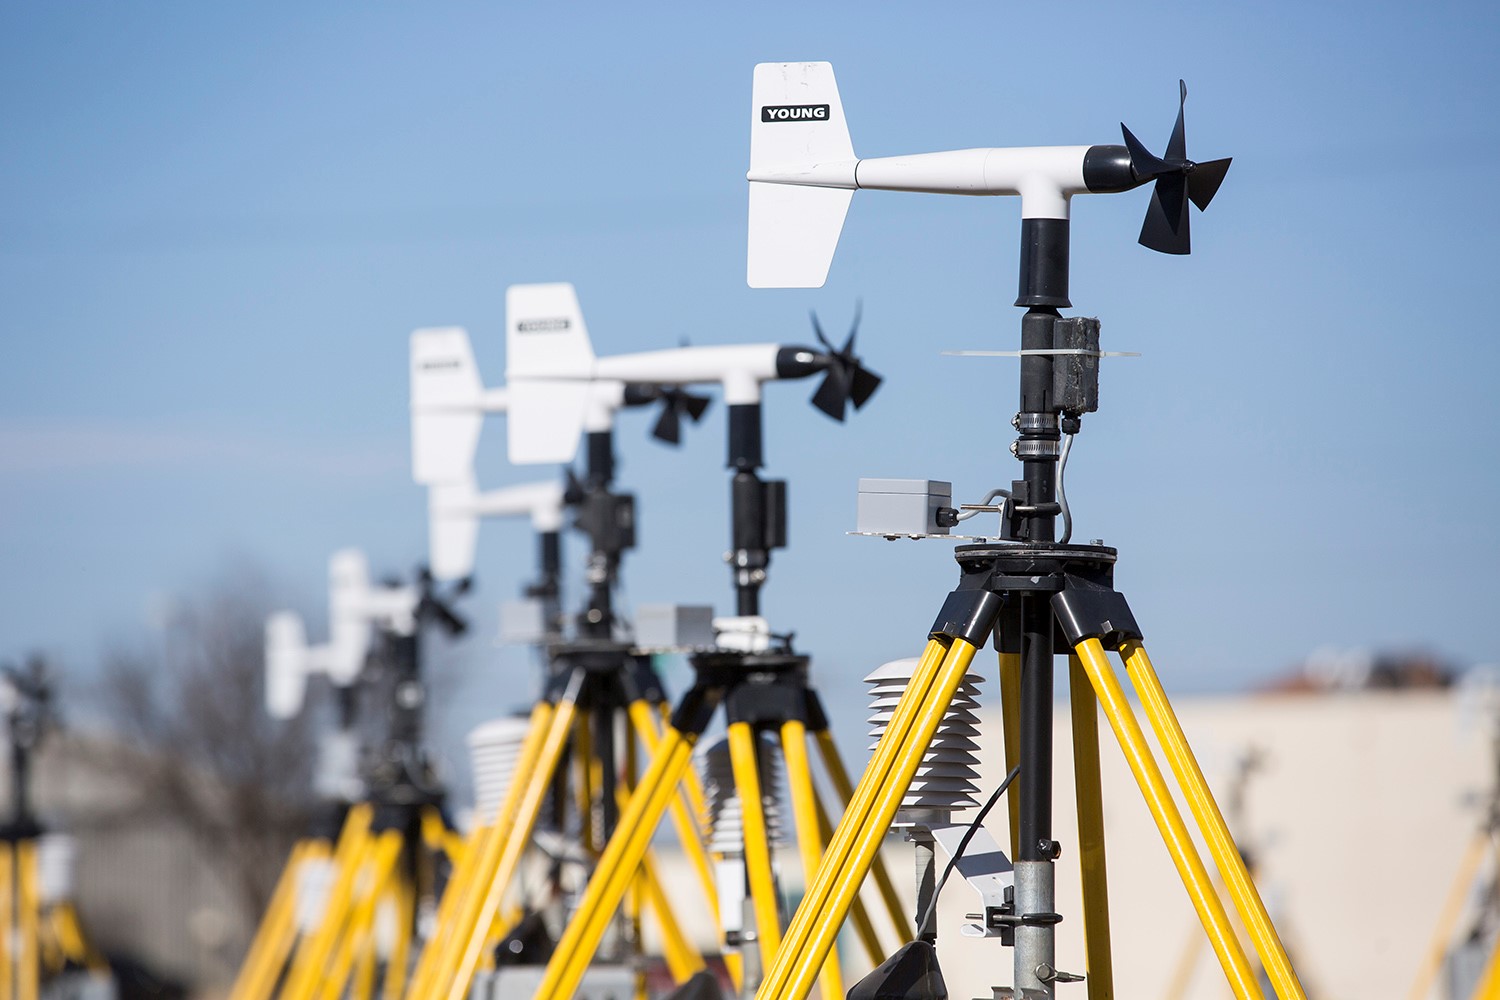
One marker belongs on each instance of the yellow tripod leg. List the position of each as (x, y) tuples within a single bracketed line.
[(860, 800), (617, 866), (1488, 986), (406, 933), (28, 962), (7, 919), (742, 755), (1086, 786), (312, 950), (376, 866), (454, 979), (311, 966), (583, 760), (864, 927), (467, 879), (682, 958), (1453, 907), (809, 838), (1221, 845), (681, 808), (845, 865), (1010, 730), (833, 764), (1168, 820), (274, 935)]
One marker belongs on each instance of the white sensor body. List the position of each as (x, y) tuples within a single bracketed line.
[(803, 172), (559, 389), (355, 609), (454, 510)]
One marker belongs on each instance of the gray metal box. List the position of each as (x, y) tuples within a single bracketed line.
[(674, 626), (902, 506)]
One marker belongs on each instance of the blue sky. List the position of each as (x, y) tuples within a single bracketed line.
[(219, 223)]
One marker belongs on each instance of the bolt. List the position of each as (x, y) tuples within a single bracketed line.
[(595, 616), (1045, 973), (1015, 448), (1096, 541), (1015, 421)]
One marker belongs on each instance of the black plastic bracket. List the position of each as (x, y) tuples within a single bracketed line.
[(969, 615), (1086, 610)]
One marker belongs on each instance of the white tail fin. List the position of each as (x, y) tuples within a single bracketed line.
[(452, 528), (801, 174), (287, 664), (548, 363), (445, 405)]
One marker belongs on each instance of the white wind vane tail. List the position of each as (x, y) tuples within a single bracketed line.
[(801, 174), (549, 362), (446, 400), (948, 777)]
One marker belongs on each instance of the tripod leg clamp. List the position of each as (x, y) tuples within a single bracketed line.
[(1086, 610), (969, 615)]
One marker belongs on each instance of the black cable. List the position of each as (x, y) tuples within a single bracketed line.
[(964, 843)]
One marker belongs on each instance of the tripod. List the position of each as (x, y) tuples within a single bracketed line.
[(1037, 595), (764, 690), (342, 917), (40, 934), (596, 687)]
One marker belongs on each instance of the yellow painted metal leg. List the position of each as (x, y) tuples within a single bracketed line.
[(682, 809), (833, 764), (1453, 907), (617, 865), (354, 941), (682, 958), (273, 937), (1168, 820), (897, 756), (762, 878), (1488, 986), (1010, 717), (28, 896), (860, 802), (7, 921), (406, 932), (809, 838), (1221, 845), (468, 879), (491, 890), (864, 927), (1086, 785), (317, 948)]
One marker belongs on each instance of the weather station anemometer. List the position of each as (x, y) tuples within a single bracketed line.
[(1035, 593)]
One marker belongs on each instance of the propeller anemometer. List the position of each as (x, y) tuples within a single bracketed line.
[(848, 380), (1178, 181)]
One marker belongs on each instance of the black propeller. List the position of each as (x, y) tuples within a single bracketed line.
[(1178, 181), (677, 403), (847, 379)]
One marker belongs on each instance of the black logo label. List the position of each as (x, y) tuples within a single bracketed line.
[(543, 325), (794, 112)]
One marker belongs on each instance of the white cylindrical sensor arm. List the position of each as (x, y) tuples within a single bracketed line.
[(1043, 176)]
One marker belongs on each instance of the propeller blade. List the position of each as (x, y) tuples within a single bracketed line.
[(848, 349), (833, 393), (863, 386), (668, 425), (695, 406), (1177, 145), (818, 332), (1166, 229), (1145, 163), (1204, 181)]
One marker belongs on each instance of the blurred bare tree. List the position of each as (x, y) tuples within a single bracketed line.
[(209, 757)]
